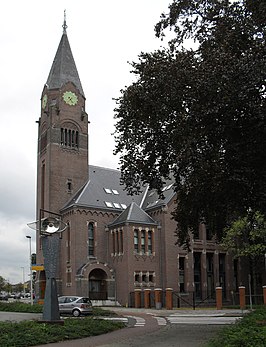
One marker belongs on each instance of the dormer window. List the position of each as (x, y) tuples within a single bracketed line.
[(108, 204), (111, 191)]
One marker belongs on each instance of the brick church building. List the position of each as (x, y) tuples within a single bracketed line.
[(114, 243)]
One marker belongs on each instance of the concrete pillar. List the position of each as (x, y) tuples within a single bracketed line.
[(219, 298), (158, 298), (169, 298), (242, 297), (137, 298), (147, 298), (264, 295)]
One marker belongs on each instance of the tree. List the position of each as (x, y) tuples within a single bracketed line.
[(2, 283), (198, 115), (246, 237), (18, 288), (8, 287)]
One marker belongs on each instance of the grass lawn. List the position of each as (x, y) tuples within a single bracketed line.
[(250, 331), (33, 333)]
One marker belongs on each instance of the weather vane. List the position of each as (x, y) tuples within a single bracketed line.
[(64, 25)]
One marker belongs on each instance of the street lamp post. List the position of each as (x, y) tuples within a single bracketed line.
[(23, 280), (31, 296)]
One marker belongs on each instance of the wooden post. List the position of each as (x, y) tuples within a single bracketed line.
[(147, 297), (137, 298), (219, 298), (169, 298), (158, 298), (242, 297)]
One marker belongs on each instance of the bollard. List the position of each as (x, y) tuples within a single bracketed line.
[(219, 298), (147, 298), (158, 298), (264, 295), (137, 298), (242, 297), (169, 298)]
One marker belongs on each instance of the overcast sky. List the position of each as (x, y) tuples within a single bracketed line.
[(104, 35)]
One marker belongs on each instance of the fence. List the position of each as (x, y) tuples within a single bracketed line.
[(249, 299), (188, 299), (193, 299)]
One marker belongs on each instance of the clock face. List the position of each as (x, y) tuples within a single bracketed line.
[(44, 101), (70, 98)]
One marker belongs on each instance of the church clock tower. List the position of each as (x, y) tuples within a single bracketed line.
[(62, 167)]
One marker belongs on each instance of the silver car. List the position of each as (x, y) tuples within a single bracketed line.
[(75, 305)]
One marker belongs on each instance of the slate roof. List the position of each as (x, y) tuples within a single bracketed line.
[(63, 69), (133, 214), (152, 199), (104, 191)]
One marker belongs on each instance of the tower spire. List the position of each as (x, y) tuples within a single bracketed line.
[(64, 69), (64, 25)]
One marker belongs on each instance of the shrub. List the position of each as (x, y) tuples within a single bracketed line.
[(17, 306), (32, 333), (250, 331)]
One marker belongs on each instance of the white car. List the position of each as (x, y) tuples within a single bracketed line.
[(75, 305)]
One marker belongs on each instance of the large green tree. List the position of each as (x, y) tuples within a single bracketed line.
[(246, 238), (198, 114)]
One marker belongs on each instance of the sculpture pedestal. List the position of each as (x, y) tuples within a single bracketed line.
[(51, 309)]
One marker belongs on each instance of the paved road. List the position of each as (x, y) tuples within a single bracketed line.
[(156, 328), (160, 329), (169, 336)]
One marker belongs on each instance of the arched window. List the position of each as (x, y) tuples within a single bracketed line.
[(91, 239), (77, 139), (65, 139), (121, 241), (143, 241), (113, 238), (73, 138), (62, 137), (69, 138), (136, 240), (68, 242), (150, 250)]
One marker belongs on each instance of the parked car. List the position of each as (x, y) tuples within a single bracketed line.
[(4, 297), (75, 305)]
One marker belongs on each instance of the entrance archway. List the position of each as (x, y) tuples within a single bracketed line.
[(97, 285)]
